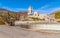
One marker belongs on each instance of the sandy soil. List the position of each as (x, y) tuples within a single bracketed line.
[(17, 32)]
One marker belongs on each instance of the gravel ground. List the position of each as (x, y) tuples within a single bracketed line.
[(17, 32)]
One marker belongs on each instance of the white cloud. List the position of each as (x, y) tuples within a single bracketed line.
[(45, 6), (8, 8), (43, 9), (14, 9), (46, 9), (54, 9), (21, 9), (51, 10)]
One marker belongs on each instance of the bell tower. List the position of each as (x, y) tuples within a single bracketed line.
[(30, 10)]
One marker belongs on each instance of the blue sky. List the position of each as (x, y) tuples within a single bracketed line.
[(42, 6)]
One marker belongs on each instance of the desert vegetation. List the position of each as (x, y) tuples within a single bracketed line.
[(1, 21), (57, 15), (7, 16), (37, 19)]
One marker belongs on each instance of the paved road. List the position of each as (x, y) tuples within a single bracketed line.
[(17, 32)]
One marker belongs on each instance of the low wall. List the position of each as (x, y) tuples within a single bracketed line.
[(33, 22), (26, 22), (39, 25), (45, 27)]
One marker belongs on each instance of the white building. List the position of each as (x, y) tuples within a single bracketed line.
[(29, 10), (47, 17), (35, 14)]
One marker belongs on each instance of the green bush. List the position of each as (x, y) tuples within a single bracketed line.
[(57, 15), (36, 19), (59, 21), (1, 21)]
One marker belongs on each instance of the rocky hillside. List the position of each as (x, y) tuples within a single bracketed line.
[(9, 16), (6, 15)]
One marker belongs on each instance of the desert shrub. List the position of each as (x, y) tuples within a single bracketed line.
[(37, 19), (1, 22), (59, 21), (57, 15)]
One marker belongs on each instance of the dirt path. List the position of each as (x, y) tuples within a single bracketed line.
[(17, 32)]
